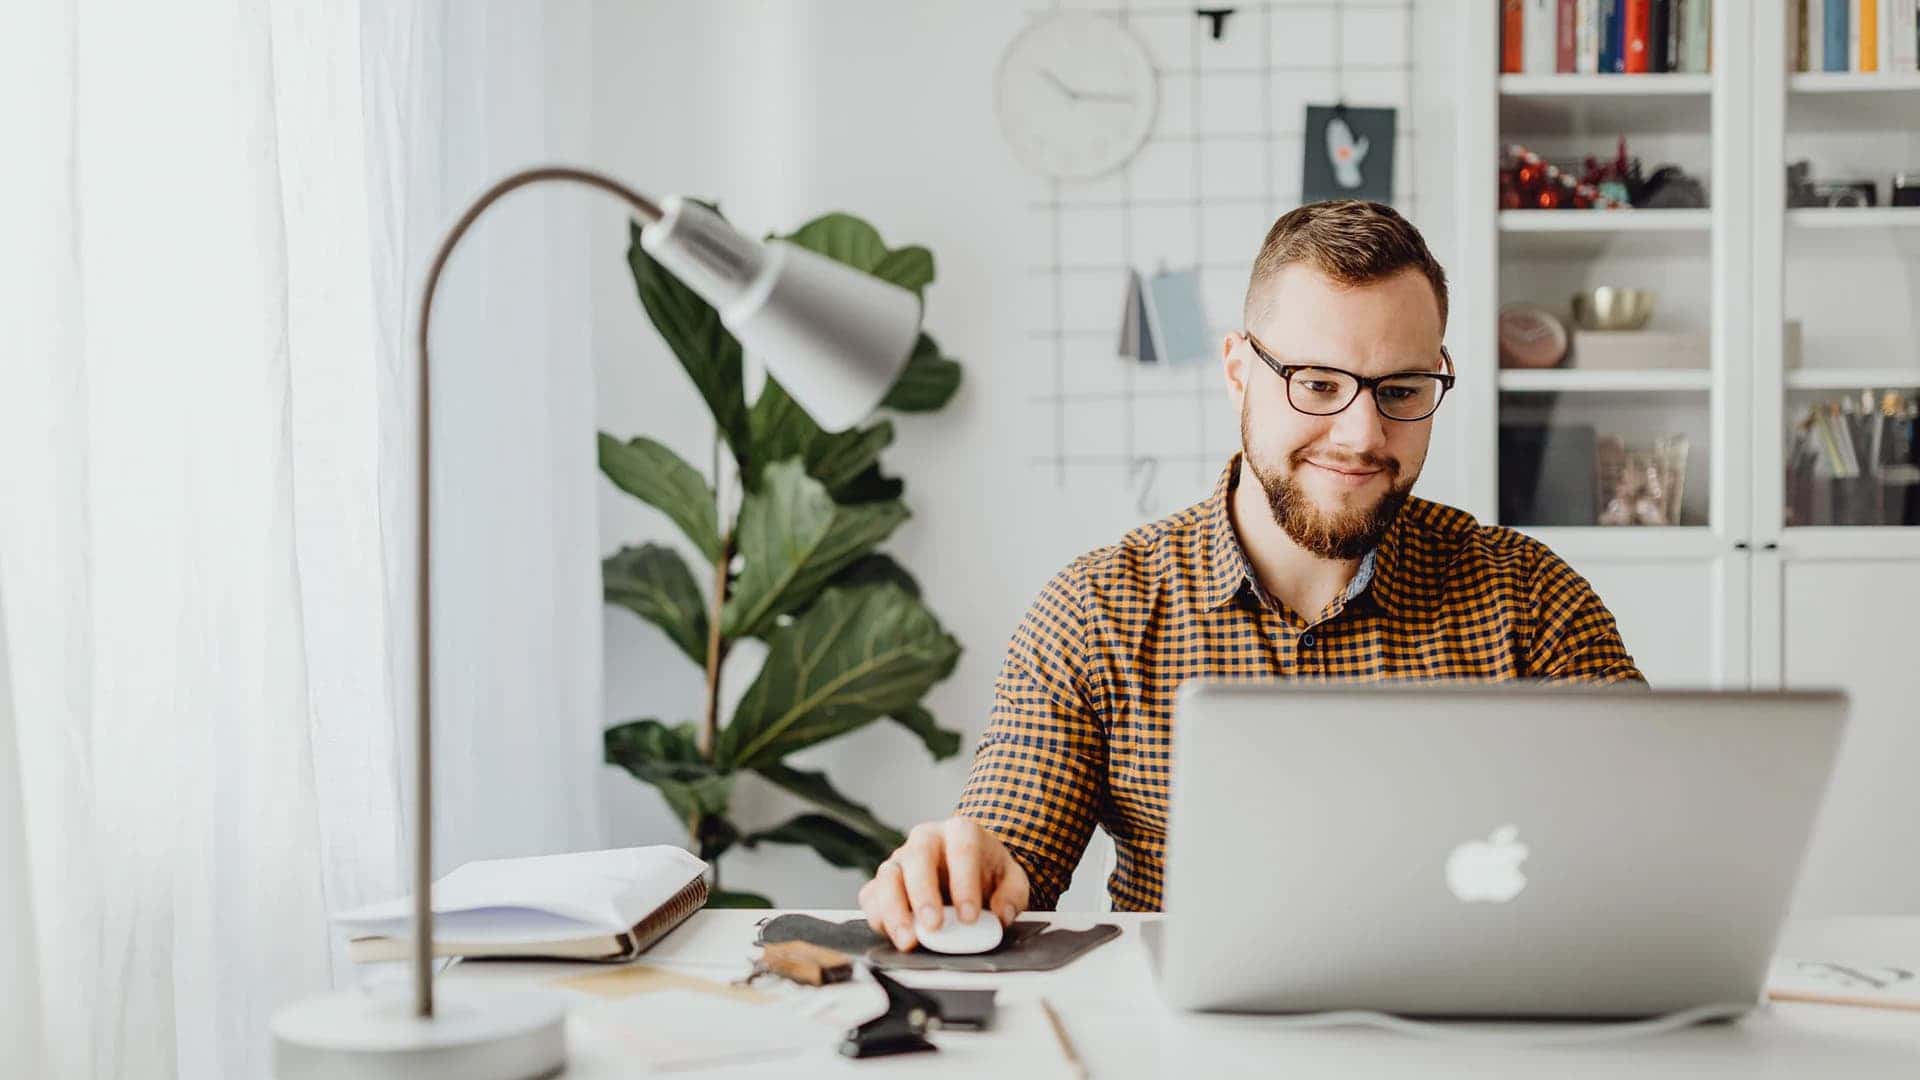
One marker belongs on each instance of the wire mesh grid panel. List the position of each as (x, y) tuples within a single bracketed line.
[(1222, 161)]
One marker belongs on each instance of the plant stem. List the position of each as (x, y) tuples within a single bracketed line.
[(716, 648)]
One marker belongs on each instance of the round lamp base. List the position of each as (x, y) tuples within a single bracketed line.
[(474, 1034)]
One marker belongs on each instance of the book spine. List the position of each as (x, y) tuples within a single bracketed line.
[(1563, 35), (675, 911), (1867, 19), (1906, 35), (1657, 34), (1639, 35), (1835, 30), (1610, 26), (1512, 39), (1885, 32), (1701, 29), (1586, 36), (1538, 30), (1853, 35), (1797, 35), (1816, 35)]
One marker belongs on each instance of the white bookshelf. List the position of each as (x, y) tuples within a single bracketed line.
[(1708, 603)]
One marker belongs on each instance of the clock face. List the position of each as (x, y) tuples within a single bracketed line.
[(1075, 95)]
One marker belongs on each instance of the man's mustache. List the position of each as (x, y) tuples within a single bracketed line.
[(1354, 462)]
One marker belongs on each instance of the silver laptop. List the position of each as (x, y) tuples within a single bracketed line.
[(1516, 851)]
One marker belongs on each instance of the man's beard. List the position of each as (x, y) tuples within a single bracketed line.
[(1344, 534)]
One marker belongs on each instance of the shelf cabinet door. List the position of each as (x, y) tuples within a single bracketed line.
[(1682, 611), (1849, 622)]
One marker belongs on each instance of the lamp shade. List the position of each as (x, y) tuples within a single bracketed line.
[(835, 337)]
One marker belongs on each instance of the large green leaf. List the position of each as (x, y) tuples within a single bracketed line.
[(909, 267), (845, 238), (941, 742), (657, 476), (794, 538), (692, 329), (654, 583), (816, 789), (734, 898), (779, 429), (669, 759), (877, 568), (836, 842), (871, 486), (928, 381), (853, 656)]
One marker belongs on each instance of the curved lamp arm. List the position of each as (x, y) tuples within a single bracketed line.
[(836, 338)]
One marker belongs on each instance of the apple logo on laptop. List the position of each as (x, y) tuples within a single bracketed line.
[(1488, 870)]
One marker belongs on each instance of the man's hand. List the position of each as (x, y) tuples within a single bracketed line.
[(972, 863)]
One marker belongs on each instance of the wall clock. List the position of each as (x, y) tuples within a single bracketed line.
[(1075, 95)]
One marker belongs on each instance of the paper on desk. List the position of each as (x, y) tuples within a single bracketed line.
[(1883, 986), (677, 1029), (542, 898)]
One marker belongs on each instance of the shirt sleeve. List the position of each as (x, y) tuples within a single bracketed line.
[(1574, 636), (1039, 771)]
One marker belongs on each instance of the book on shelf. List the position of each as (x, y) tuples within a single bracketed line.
[(1537, 29), (1586, 36), (1513, 53), (1903, 38), (1835, 32), (1866, 36), (1541, 37), (1564, 47)]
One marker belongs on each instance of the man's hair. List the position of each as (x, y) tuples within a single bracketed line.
[(1352, 241)]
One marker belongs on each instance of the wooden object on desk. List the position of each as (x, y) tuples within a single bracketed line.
[(806, 963)]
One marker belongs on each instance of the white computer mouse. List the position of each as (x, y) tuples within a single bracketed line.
[(956, 938)]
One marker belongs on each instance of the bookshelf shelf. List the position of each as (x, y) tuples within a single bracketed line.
[(1854, 217), (1553, 380), (1847, 82), (1605, 86), (1604, 221), (1853, 378)]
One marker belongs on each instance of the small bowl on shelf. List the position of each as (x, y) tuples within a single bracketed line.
[(1612, 308)]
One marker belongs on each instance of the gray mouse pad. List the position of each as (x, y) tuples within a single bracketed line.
[(1027, 946)]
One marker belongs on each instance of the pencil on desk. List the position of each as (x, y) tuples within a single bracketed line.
[(1074, 1063)]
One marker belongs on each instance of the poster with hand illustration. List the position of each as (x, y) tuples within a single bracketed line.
[(1349, 154)]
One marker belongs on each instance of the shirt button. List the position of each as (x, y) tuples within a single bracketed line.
[(1306, 640)]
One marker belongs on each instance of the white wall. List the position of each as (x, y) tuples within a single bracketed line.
[(785, 110)]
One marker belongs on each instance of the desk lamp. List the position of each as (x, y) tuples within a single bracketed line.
[(836, 338)]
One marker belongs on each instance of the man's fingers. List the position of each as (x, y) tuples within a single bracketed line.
[(1011, 895), (920, 864), (963, 867), (884, 899)]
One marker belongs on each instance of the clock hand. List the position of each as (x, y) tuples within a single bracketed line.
[(1057, 81), (1119, 99)]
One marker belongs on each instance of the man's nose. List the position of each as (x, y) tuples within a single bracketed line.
[(1360, 427)]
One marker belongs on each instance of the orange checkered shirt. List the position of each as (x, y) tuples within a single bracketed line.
[(1082, 722)]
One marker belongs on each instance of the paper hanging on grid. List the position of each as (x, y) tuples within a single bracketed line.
[(1164, 321)]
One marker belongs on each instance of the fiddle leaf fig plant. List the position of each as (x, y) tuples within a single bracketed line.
[(848, 640)]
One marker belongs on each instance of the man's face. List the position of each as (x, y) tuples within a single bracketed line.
[(1334, 483)]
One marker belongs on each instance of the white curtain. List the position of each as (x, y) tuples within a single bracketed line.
[(214, 213)]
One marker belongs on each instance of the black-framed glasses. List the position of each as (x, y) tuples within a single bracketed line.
[(1318, 390)]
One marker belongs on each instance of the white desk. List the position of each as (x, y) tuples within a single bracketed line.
[(1110, 1008)]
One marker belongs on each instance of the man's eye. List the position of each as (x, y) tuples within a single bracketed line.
[(1398, 393), (1319, 386)]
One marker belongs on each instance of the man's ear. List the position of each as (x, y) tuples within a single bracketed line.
[(1233, 364)]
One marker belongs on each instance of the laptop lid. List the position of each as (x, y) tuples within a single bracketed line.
[(1515, 850)]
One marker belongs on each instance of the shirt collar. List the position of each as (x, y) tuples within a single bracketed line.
[(1228, 570)]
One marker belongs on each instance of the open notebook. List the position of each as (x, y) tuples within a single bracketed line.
[(588, 905)]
